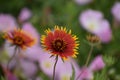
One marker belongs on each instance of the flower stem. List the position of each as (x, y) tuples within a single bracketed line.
[(89, 56), (87, 61), (15, 51), (55, 67)]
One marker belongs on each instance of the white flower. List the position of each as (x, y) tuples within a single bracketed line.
[(94, 23)]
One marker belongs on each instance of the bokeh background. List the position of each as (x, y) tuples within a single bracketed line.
[(43, 14)]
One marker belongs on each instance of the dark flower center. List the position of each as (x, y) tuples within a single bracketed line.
[(59, 45), (18, 40)]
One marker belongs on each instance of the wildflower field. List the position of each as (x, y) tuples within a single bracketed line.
[(60, 40)]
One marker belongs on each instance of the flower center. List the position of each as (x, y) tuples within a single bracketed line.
[(18, 40), (59, 45)]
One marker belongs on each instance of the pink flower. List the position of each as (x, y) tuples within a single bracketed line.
[(90, 20), (104, 32), (30, 28), (46, 63), (5, 73), (33, 52), (29, 68), (116, 10), (63, 69), (22, 61), (10, 76), (97, 64), (25, 14), (75, 66), (38, 78), (86, 74), (93, 22), (83, 2), (27, 57), (7, 22)]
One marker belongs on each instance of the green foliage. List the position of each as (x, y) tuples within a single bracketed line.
[(101, 76), (47, 13), (109, 60), (2, 78)]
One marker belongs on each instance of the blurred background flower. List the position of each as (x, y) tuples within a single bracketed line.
[(7, 22), (24, 15), (93, 22), (86, 74), (82, 17), (115, 10), (97, 64), (64, 70), (83, 2)]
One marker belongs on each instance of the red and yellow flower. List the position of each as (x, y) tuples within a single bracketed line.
[(60, 42), (20, 38)]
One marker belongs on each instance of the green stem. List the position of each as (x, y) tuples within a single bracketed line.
[(55, 67), (15, 51), (89, 56), (87, 61)]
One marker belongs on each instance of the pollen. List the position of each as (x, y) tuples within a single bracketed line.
[(59, 45)]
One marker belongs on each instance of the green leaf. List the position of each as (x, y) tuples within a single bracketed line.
[(101, 76), (109, 60), (2, 78)]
